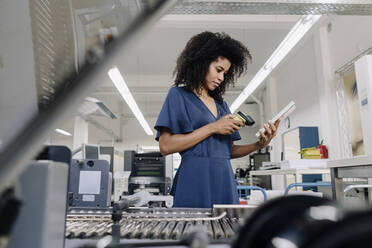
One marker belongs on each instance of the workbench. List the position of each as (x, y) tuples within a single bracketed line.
[(356, 167)]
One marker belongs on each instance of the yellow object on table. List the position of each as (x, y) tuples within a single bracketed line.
[(310, 153)]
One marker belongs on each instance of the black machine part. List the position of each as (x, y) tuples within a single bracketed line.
[(287, 218), (148, 170), (353, 231), (117, 211), (248, 120), (9, 210), (55, 153), (305, 221)]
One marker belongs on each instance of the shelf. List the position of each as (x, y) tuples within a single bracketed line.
[(350, 162)]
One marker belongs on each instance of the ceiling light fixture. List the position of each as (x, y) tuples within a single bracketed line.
[(292, 38), (123, 89), (61, 131)]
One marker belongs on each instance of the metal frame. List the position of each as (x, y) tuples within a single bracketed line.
[(345, 144), (296, 172), (245, 187), (357, 167), (292, 185), (346, 149), (356, 186), (281, 7), (15, 156)]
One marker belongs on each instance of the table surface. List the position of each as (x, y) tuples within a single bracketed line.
[(334, 163), (350, 162), (289, 171)]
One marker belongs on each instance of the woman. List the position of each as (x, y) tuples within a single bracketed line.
[(197, 123)]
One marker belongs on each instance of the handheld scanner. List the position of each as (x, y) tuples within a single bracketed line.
[(246, 119)]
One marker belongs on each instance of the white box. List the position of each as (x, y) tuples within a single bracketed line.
[(303, 163)]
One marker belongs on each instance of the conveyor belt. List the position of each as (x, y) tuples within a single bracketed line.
[(159, 223)]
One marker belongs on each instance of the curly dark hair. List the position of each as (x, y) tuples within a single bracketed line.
[(201, 50)]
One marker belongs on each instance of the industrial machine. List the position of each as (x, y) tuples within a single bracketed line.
[(256, 162), (291, 221), (90, 183), (221, 222), (148, 172), (41, 219)]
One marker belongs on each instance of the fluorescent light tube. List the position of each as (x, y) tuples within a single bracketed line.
[(123, 89), (61, 131), (292, 38)]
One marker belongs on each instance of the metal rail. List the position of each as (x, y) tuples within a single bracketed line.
[(108, 217), (356, 186), (306, 185), (244, 187)]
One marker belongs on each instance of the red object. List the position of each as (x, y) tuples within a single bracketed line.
[(323, 151), (243, 202)]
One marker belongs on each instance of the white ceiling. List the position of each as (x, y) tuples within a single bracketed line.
[(148, 68)]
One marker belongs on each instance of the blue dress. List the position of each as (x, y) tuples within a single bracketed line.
[(205, 176)]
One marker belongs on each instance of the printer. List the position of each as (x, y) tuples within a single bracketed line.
[(150, 171)]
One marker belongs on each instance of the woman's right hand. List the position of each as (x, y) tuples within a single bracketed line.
[(226, 125)]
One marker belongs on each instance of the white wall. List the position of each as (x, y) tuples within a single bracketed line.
[(61, 140), (133, 134), (350, 36), (296, 80), (307, 75)]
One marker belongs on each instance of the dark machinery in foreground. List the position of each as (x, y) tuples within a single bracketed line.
[(292, 221)]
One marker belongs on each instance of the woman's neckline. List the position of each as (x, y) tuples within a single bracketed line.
[(210, 111)]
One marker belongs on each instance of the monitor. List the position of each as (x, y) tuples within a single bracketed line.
[(90, 151)]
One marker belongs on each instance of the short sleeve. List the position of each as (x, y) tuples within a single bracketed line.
[(235, 135), (173, 114)]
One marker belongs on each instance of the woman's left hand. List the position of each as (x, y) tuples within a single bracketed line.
[(269, 134)]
